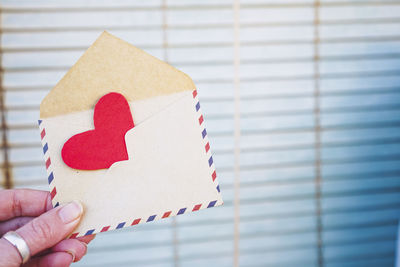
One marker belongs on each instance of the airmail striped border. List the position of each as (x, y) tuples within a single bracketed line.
[(206, 142), (49, 169), (150, 218)]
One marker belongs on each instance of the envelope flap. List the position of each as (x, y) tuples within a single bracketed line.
[(112, 64)]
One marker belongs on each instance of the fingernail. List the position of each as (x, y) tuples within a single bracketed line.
[(72, 254), (70, 212)]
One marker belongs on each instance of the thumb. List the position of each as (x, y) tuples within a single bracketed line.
[(51, 227)]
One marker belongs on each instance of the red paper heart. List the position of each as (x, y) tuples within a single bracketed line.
[(101, 147)]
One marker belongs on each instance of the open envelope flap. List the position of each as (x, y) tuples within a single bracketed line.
[(111, 64), (170, 171)]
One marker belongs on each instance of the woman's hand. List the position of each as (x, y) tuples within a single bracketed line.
[(30, 214)]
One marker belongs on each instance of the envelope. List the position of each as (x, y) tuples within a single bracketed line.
[(123, 133)]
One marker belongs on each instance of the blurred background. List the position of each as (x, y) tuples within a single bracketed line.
[(302, 105)]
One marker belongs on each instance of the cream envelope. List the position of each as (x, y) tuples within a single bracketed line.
[(170, 170)]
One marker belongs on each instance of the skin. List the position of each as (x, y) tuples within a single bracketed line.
[(31, 215)]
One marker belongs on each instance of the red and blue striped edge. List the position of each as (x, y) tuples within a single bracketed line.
[(213, 174)]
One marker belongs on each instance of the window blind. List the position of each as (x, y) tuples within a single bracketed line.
[(302, 104)]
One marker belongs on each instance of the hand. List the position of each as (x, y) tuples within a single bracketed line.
[(30, 214)]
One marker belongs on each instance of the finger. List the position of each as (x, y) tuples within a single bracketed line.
[(44, 231), (59, 259), (9, 255), (13, 224), (51, 227), (86, 239), (73, 246), (23, 202)]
